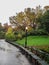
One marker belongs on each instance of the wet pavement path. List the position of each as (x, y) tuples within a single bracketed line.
[(10, 55)]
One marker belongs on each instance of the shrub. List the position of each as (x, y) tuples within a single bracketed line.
[(2, 35), (10, 35), (19, 36)]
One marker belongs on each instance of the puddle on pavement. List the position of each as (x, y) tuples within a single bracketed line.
[(4, 49), (18, 54)]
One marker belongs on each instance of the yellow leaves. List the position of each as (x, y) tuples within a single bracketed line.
[(19, 35), (20, 17), (9, 30), (10, 35)]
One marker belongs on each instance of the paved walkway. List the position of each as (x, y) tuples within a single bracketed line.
[(10, 55)]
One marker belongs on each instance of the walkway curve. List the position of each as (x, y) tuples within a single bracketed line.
[(10, 55)]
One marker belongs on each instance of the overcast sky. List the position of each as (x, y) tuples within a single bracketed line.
[(10, 7)]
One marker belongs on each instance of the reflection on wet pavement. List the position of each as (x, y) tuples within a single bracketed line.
[(10, 55)]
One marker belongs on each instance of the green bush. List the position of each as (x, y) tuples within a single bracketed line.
[(19, 36), (10, 35), (23, 34), (2, 35), (39, 32)]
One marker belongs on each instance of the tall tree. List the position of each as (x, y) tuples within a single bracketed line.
[(45, 21)]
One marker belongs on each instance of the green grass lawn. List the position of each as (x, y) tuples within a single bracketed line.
[(35, 41), (40, 42)]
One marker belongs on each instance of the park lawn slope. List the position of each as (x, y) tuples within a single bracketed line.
[(35, 41), (40, 42)]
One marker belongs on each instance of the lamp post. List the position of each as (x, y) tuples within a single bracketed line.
[(26, 37)]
